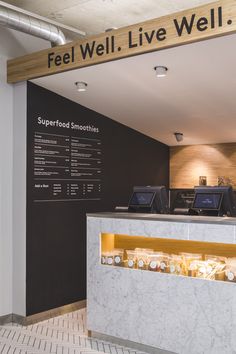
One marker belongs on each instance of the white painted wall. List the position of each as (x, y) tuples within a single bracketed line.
[(6, 162), (13, 174), (9, 48), (19, 198)]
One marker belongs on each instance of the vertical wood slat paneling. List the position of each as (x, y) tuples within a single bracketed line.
[(187, 163)]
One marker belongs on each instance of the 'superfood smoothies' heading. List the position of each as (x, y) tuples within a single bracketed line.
[(67, 125)]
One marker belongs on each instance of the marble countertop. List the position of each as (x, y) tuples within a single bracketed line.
[(168, 218)]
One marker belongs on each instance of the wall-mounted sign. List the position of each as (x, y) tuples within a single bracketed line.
[(66, 160), (204, 22)]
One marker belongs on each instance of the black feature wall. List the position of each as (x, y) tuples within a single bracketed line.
[(78, 162)]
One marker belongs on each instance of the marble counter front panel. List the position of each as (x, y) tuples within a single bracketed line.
[(180, 314)]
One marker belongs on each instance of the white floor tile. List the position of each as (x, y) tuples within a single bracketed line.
[(60, 335)]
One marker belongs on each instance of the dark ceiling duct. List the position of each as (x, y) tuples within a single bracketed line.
[(30, 25)]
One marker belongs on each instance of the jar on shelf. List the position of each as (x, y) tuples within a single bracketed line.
[(192, 269), (209, 269), (230, 272), (220, 275), (176, 264), (154, 261), (142, 257), (218, 270), (107, 258), (206, 269), (189, 258), (131, 258), (104, 257), (118, 257), (199, 269), (165, 263), (218, 264)]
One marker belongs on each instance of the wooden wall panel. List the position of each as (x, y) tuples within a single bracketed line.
[(187, 163)]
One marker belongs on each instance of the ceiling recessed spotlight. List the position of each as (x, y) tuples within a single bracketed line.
[(81, 86), (161, 71), (111, 29), (179, 136)]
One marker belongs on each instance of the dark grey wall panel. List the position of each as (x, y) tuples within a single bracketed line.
[(56, 215)]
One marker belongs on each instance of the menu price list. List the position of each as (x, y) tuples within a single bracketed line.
[(66, 168), (66, 190)]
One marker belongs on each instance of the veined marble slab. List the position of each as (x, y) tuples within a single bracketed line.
[(168, 217), (180, 314)]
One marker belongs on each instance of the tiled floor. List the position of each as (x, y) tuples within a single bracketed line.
[(60, 335)]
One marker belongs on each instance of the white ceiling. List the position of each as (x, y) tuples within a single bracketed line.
[(197, 98), (90, 16), (95, 16)]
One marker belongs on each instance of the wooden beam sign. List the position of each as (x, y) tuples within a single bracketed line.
[(204, 22)]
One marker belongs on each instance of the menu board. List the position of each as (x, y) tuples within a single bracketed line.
[(66, 167)]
